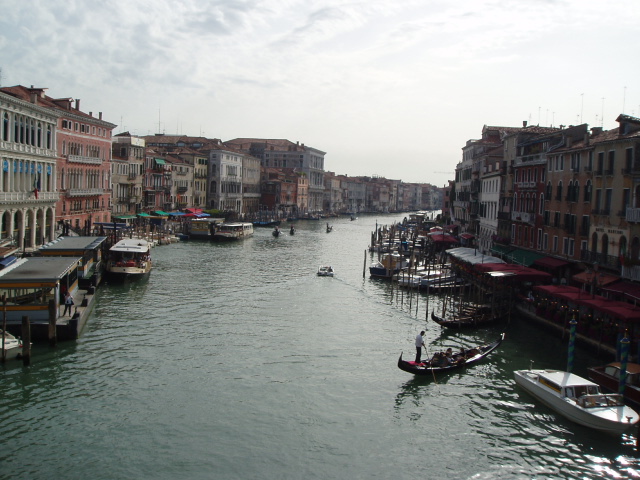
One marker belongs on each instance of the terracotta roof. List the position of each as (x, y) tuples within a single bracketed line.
[(43, 100)]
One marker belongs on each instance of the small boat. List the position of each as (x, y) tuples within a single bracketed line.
[(608, 377), (389, 265), (129, 258), (477, 318), (12, 346), (276, 232), (325, 271), (463, 358), (578, 399), (233, 231)]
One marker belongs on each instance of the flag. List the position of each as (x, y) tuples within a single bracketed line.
[(36, 185)]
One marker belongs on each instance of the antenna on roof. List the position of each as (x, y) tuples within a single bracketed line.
[(581, 106), (624, 96)]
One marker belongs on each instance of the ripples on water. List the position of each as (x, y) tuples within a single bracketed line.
[(238, 362)]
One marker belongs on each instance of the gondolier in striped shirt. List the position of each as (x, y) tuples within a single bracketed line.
[(419, 345)]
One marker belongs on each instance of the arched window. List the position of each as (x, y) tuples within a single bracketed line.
[(559, 191), (576, 191), (548, 190), (49, 138), (541, 207), (39, 135)]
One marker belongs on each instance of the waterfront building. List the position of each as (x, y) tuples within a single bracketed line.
[(489, 198), (156, 186), (614, 233), (83, 147), (225, 178), (251, 185), (355, 194), (127, 174), (28, 175), (448, 192), (332, 202), (566, 199), (280, 153), (180, 183)]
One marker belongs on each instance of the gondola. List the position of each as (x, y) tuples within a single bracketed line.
[(472, 320), (471, 356)]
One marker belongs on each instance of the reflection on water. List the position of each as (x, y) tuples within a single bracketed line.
[(238, 361)]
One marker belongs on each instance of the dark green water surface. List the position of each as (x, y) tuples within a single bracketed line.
[(235, 361)]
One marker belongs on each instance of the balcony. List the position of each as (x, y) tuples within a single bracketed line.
[(22, 197), (610, 262), (633, 215), (524, 217), (81, 159), (84, 192)]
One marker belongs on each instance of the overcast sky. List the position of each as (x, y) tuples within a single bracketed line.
[(384, 87)]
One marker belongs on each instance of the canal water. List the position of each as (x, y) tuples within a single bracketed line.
[(236, 361)]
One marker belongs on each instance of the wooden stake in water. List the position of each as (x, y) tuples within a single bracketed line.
[(624, 358), (572, 343)]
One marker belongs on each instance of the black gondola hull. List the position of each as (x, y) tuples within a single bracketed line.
[(425, 368)]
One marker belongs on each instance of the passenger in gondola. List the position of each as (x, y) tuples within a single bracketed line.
[(445, 361)]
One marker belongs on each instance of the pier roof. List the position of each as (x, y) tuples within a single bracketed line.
[(38, 269)]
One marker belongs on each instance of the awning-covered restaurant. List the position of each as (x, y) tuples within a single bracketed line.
[(600, 319)]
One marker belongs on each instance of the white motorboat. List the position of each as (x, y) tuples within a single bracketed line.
[(233, 231), (130, 257), (578, 399), (12, 346), (325, 271)]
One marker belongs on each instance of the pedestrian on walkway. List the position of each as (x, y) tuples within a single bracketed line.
[(68, 303)]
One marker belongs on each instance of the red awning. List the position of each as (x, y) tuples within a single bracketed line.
[(550, 262), (444, 238), (467, 236), (628, 289), (602, 278)]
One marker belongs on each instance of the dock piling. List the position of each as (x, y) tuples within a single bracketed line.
[(26, 341)]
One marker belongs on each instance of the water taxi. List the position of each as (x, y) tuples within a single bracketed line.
[(578, 399), (129, 258), (608, 377), (233, 231), (325, 271)]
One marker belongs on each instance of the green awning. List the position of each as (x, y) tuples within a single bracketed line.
[(124, 217), (523, 257), (159, 161), (161, 213), (501, 249), (144, 215)]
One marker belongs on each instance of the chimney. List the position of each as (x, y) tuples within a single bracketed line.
[(91, 114), (77, 104), (586, 138), (99, 115), (33, 97), (524, 124), (595, 131)]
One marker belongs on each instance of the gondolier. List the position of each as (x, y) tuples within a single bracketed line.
[(419, 345)]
